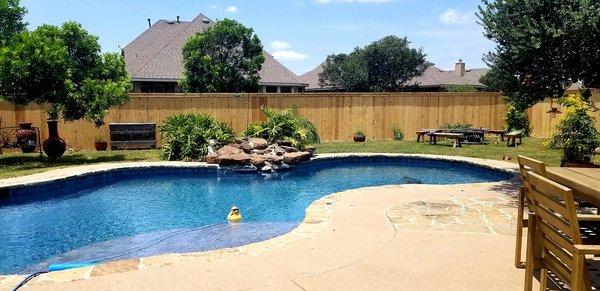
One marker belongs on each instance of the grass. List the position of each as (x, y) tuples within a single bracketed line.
[(17, 164)]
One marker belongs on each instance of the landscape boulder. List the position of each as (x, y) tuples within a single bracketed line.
[(289, 149), (211, 158), (233, 159), (276, 150), (257, 161), (296, 157), (258, 143), (229, 150)]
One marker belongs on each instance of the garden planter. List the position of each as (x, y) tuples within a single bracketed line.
[(27, 138), (579, 165), (54, 146), (360, 138), (101, 146)]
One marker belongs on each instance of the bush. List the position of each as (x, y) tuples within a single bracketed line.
[(464, 88), (185, 137), (398, 134), (359, 133), (576, 132), (517, 120), (285, 124), (457, 125)]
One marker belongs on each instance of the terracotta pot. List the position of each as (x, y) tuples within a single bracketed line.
[(54, 146), (579, 165), (360, 138), (101, 146), (27, 138)]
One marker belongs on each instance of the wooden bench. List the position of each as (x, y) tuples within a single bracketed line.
[(132, 136), (511, 138), (498, 132), (457, 137), (423, 132)]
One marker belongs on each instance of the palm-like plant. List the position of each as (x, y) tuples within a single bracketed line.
[(285, 124)]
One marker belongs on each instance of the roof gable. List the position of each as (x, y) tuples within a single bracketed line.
[(157, 53)]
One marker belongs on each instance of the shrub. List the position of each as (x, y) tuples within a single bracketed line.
[(576, 131), (285, 124), (398, 134), (185, 137), (457, 125), (517, 119), (359, 133)]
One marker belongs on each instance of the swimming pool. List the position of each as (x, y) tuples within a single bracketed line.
[(141, 212)]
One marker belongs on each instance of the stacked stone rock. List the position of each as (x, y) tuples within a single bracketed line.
[(257, 152)]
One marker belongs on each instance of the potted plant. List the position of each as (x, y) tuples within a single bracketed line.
[(101, 144), (359, 136), (576, 133)]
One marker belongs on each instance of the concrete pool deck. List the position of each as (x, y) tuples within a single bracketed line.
[(409, 237)]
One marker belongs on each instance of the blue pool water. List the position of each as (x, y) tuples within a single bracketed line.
[(142, 212)]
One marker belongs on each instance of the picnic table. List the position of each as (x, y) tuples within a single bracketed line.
[(585, 182)]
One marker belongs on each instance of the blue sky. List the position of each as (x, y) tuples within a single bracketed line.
[(300, 33)]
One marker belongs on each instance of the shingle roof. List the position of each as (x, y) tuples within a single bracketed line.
[(312, 77), (156, 53), (432, 77), (436, 77)]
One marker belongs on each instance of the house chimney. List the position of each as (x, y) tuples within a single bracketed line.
[(178, 19), (149, 22), (459, 68)]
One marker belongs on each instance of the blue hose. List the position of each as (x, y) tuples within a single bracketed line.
[(52, 268)]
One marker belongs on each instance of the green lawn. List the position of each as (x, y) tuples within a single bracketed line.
[(17, 164)]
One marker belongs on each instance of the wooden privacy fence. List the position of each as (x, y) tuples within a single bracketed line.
[(336, 115)]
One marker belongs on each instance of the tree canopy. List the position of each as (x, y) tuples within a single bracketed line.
[(223, 58), (542, 46), (384, 65), (64, 68), (11, 20)]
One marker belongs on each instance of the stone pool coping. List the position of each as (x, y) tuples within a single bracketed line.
[(67, 173), (318, 219)]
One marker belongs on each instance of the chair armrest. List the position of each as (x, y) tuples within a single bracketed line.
[(587, 249), (588, 217)]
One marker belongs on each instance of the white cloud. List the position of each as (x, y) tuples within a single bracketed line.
[(232, 9), (280, 45), (289, 55), (353, 1), (452, 16)]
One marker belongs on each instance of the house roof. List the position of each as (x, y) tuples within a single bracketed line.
[(436, 77), (312, 77), (432, 77), (156, 55)]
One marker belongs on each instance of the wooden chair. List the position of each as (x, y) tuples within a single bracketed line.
[(525, 165), (558, 233)]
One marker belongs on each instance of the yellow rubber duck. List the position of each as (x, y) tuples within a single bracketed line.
[(234, 215)]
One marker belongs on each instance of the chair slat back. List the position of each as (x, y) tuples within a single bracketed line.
[(557, 224), (527, 165)]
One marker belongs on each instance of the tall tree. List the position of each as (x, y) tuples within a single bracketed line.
[(224, 58), (63, 68), (545, 44), (11, 20), (385, 65)]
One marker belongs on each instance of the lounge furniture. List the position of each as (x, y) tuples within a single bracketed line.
[(457, 137), (558, 237), (511, 138), (525, 165), (132, 136), (498, 132), (423, 132), (585, 182)]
